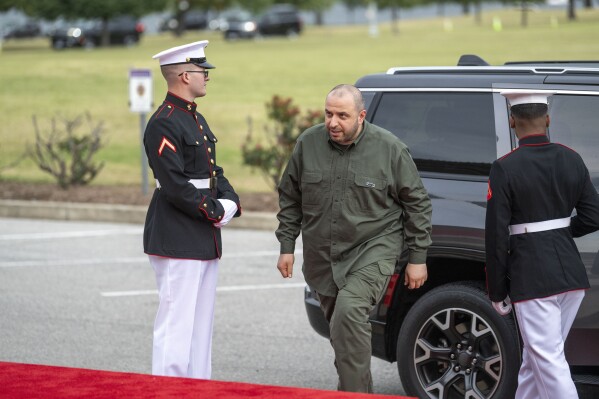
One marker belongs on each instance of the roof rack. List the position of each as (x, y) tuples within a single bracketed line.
[(487, 70), (471, 60), (593, 63), (475, 60)]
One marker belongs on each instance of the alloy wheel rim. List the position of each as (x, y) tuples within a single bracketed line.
[(457, 354)]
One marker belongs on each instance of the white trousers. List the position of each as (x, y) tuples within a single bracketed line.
[(544, 326), (183, 325)]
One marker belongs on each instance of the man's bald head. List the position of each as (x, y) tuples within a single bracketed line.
[(349, 90)]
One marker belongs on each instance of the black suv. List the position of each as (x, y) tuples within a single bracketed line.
[(446, 338), (25, 30), (124, 29), (281, 19), (191, 20)]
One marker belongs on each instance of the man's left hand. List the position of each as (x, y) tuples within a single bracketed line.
[(416, 275), (503, 307)]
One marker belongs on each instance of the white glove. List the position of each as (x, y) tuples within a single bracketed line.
[(230, 211), (503, 307)]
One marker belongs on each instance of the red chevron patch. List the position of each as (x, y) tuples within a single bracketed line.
[(489, 191), (166, 143)]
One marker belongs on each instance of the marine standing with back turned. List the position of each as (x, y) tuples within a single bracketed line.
[(532, 259)]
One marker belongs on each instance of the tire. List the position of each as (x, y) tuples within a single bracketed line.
[(452, 344), (231, 35), (129, 40), (292, 33), (58, 44)]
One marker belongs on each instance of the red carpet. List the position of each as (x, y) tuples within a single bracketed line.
[(35, 381)]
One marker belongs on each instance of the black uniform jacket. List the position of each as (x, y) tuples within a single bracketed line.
[(180, 219), (538, 181)]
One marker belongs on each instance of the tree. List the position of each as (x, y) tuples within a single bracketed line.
[(91, 9), (395, 6), (6, 5), (524, 9), (317, 6), (65, 153), (352, 5), (212, 5), (571, 10), (255, 6), (182, 7), (287, 124)]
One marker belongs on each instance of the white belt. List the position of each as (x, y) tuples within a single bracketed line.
[(197, 183), (539, 226)]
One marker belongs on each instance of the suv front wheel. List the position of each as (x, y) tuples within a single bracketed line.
[(452, 344)]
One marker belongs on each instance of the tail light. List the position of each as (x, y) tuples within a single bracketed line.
[(390, 289), (139, 27)]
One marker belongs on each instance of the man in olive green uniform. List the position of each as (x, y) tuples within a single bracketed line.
[(353, 191)]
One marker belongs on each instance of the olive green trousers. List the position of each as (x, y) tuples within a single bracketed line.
[(347, 314)]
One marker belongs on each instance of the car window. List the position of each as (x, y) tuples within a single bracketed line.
[(574, 123), (446, 132), (367, 96)]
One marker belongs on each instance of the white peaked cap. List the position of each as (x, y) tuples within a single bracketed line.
[(187, 53), (523, 96)]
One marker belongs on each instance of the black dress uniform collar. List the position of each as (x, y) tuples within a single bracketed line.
[(180, 103), (534, 139)]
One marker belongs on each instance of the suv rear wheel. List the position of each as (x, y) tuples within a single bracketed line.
[(292, 32), (452, 344)]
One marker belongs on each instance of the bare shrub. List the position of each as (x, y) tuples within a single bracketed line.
[(64, 153)]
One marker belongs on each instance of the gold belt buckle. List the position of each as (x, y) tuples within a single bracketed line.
[(213, 182)]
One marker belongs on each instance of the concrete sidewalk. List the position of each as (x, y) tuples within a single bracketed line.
[(113, 213)]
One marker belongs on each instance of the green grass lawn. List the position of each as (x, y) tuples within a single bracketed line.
[(36, 80)]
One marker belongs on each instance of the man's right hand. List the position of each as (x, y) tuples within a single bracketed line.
[(285, 265)]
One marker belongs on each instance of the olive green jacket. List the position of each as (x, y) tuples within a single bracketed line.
[(354, 206)]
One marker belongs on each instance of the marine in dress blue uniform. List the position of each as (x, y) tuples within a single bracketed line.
[(532, 259), (192, 201)]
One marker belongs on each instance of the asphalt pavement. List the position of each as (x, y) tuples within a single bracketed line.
[(82, 294), (112, 213)]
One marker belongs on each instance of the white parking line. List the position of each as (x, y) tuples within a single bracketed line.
[(122, 260), (71, 234), (218, 289), (74, 262)]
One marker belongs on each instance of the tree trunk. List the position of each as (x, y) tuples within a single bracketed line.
[(524, 14), (351, 15), (571, 10), (182, 8), (478, 12), (588, 4), (105, 39), (395, 20), (180, 16), (466, 8), (441, 8), (319, 18)]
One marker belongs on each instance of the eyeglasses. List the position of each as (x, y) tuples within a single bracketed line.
[(205, 72)]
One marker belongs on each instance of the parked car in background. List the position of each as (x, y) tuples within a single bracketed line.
[(238, 24), (447, 339), (124, 30), (24, 30), (192, 20), (279, 19)]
